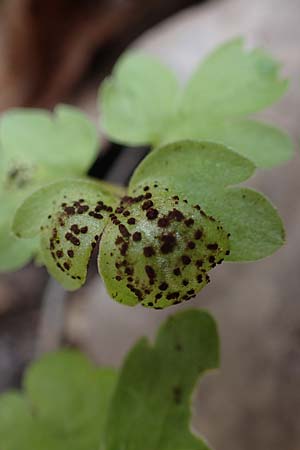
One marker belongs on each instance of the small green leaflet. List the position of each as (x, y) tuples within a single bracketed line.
[(64, 405), (150, 408), (138, 100), (228, 85), (37, 148), (203, 172), (70, 217), (68, 403)]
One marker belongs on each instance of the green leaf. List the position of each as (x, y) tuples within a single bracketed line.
[(158, 248), (150, 409), (138, 100), (264, 145), (37, 145), (200, 171), (233, 81), (70, 216), (37, 148), (64, 405)]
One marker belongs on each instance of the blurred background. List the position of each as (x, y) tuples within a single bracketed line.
[(59, 51)]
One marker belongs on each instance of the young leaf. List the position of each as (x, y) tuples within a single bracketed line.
[(36, 144), (201, 172), (64, 405), (138, 107), (158, 248), (264, 145), (37, 148), (70, 216), (138, 100), (150, 409), (232, 81)]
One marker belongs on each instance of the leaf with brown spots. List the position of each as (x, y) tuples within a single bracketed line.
[(146, 263), (70, 217), (204, 173)]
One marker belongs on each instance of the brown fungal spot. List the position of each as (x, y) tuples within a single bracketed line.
[(199, 263), (147, 204), (126, 213), (118, 278), (148, 251), (212, 246), (172, 295), (70, 237), (75, 229), (152, 214), (69, 210), (123, 230), (177, 272), (151, 273), (199, 278), (146, 188), (198, 234), (185, 282), (84, 230), (191, 245), (119, 240), (124, 249), (131, 221), (82, 209), (137, 236), (148, 195), (59, 253), (66, 266), (163, 222), (163, 286), (186, 259), (70, 253), (189, 222), (169, 242), (158, 296), (212, 259)]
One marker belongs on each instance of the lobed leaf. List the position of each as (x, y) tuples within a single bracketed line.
[(70, 217), (158, 248), (64, 405), (150, 409), (138, 100), (232, 81), (201, 171), (142, 105), (37, 145), (264, 145)]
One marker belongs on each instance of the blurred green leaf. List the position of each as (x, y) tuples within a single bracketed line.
[(200, 171), (64, 405), (264, 145), (158, 248), (150, 409), (70, 216), (37, 148), (233, 81), (141, 103), (138, 100)]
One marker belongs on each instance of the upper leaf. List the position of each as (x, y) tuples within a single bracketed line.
[(64, 405), (70, 216), (150, 409), (264, 145), (36, 145), (200, 171), (232, 81), (141, 103), (138, 100)]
